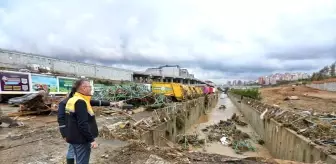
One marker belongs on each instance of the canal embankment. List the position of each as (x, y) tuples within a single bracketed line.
[(281, 141), (223, 112)]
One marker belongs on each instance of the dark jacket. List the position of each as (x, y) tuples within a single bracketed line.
[(62, 119)]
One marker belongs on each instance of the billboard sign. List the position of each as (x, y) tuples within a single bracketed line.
[(39, 80), (15, 82), (65, 84)]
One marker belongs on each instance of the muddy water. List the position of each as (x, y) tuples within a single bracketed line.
[(214, 116)]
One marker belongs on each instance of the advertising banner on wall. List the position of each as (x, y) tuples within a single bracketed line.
[(14, 82), (39, 80), (65, 84)]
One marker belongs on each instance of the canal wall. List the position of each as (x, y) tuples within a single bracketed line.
[(182, 116), (282, 142), (331, 86)]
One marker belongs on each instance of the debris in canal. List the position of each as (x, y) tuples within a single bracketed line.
[(235, 118), (237, 139), (192, 139), (222, 107), (261, 142), (139, 152)]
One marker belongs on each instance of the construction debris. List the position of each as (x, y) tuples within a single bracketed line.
[(237, 139), (224, 131), (132, 93), (121, 130), (8, 122), (193, 140), (35, 103), (131, 129), (222, 107), (236, 119)]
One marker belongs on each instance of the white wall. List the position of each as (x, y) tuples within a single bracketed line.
[(21, 60), (324, 86)]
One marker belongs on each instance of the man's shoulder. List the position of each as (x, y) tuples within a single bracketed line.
[(80, 102), (64, 101)]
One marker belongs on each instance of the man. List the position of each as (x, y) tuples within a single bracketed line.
[(70, 157), (81, 84)]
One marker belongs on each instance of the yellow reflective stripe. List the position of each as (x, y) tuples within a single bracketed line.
[(70, 106)]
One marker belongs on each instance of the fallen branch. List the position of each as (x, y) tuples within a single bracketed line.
[(137, 123)]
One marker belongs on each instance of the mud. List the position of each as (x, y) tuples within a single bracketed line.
[(218, 123), (235, 138), (39, 141)]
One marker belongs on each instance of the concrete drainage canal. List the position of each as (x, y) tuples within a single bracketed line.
[(207, 130), (225, 131)]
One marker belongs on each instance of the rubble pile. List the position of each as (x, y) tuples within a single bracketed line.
[(121, 130), (139, 153), (131, 129), (227, 133), (132, 93), (8, 122), (222, 107), (236, 119), (34, 103), (319, 127), (193, 139)]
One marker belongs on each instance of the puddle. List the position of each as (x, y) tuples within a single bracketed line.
[(214, 116)]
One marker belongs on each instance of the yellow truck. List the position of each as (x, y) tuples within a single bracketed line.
[(189, 92), (173, 90), (199, 90), (194, 92)]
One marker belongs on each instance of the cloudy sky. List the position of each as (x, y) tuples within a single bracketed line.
[(215, 39)]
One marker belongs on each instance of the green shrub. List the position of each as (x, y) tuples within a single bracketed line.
[(251, 93)]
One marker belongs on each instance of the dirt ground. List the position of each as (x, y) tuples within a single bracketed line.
[(309, 98), (325, 81), (39, 141)]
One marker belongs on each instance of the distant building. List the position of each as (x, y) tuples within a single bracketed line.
[(267, 80), (234, 82), (239, 82), (275, 78), (170, 71), (184, 72), (261, 80)]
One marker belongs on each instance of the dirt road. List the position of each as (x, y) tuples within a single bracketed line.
[(309, 98), (39, 141)]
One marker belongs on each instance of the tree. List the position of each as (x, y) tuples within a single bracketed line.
[(320, 76), (314, 77), (332, 69)]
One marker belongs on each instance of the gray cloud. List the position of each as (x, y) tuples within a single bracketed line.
[(215, 40)]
